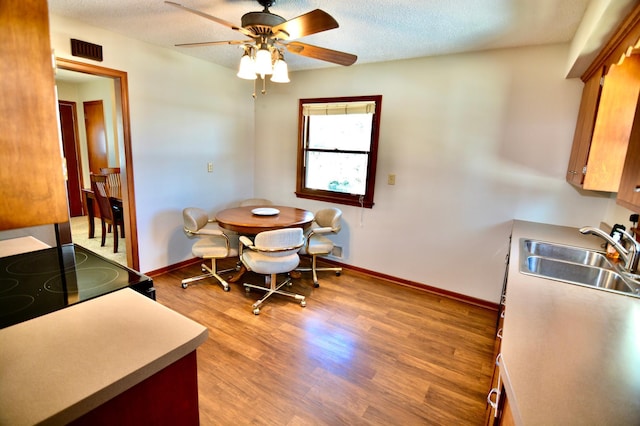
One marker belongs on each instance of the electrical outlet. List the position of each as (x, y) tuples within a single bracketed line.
[(210, 167), (336, 251), (391, 179)]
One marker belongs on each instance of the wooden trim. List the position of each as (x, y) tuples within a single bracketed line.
[(627, 34), (128, 193), (173, 267), (393, 280), (407, 283)]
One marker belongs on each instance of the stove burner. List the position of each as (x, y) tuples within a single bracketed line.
[(41, 264), (90, 278), (37, 283), (8, 284), (11, 304)]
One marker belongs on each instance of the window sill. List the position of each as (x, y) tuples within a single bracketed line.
[(346, 199)]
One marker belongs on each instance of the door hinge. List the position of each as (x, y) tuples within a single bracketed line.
[(584, 170)]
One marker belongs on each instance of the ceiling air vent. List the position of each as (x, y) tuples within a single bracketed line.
[(86, 50)]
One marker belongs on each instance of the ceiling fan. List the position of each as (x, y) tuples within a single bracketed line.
[(270, 32)]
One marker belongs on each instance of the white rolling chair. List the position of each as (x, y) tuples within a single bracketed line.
[(272, 252), (256, 202), (212, 244), (326, 221)]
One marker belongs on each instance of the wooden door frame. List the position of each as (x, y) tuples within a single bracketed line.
[(128, 195)]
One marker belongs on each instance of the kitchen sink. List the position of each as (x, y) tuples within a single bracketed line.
[(567, 253), (576, 273), (574, 265)]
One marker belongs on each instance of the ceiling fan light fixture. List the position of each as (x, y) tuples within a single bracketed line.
[(262, 56), (280, 72), (247, 68)]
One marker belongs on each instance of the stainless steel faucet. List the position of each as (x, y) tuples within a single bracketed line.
[(629, 256), (634, 251)]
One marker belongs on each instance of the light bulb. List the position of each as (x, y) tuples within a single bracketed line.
[(263, 62), (280, 72), (247, 68)]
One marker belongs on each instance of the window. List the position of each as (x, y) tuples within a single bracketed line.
[(337, 149)]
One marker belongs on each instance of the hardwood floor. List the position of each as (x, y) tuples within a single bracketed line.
[(363, 351)]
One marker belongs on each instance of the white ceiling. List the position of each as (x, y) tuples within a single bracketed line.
[(374, 30)]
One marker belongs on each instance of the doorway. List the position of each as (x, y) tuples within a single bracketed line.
[(69, 131), (124, 155)]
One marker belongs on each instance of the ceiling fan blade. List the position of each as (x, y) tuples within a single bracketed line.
[(315, 52), (210, 43), (212, 18), (310, 23)]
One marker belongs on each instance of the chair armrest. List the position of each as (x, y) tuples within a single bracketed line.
[(275, 250), (317, 231), (323, 230), (204, 231), (246, 241)]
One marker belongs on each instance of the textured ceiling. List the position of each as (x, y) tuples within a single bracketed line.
[(374, 30)]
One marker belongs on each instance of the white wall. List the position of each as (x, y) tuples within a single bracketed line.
[(475, 140), (184, 113)]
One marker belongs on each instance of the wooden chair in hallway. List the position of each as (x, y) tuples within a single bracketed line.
[(110, 214), (113, 175)]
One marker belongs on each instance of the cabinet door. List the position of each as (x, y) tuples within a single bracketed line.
[(584, 129), (32, 187), (614, 120), (505, 416), (629, 192)]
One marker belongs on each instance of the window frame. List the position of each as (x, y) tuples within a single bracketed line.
[(365, 200)]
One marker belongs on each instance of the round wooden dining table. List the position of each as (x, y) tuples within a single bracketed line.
[(252, 220)]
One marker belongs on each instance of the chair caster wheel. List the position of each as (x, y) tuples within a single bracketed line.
[(316, 285), (256, 311), (338, 273), (226, 288), (303, 303), (247, 290), (184, 285)]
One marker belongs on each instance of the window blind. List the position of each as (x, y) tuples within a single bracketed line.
[(339, 108)]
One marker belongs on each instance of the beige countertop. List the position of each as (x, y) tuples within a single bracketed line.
[(59, 366), (20, 245), (570, 354)]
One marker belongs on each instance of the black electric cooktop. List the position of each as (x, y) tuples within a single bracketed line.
[(39, 282)]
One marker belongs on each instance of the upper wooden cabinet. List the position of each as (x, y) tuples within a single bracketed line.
[(607, 111), (629, 192), (32, 186), (584, 129)]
